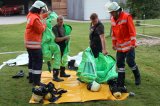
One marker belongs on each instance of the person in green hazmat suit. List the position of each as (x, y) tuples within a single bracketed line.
[(50, 48), (62, 32)]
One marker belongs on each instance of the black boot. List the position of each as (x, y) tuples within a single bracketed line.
[(55, 75), (121, 80), (62, 72), (71, 65), (137, 76), (36, 79), (30, 77)]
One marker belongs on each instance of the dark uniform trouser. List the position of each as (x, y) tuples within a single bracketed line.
[(35, 65), (96, 51), (130, 59)]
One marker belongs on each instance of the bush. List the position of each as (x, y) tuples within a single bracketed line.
[(149, 8)]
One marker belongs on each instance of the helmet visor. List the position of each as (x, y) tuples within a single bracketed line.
[(44, 9)]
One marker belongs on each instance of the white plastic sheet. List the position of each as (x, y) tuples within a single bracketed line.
[(23, 60), (77, 58), (19, 60)]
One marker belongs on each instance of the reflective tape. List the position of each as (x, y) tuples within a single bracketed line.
[(113, 38), (125, 48), (30, 70), (31, 42), (28, 20), (122, 21), (37, 71), (134, 67), (125, 43), (33, 46), (121, 69), (133, 38), (113, 23)]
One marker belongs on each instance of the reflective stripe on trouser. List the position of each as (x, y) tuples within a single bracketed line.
[(122, 70), (36, 71), (134, 67), (30, 71)]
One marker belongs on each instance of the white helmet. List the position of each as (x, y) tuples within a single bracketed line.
[(94, 86), (39, 4), (113, 6)]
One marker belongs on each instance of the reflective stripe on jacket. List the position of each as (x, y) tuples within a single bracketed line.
[(123, 32), (34, 30)]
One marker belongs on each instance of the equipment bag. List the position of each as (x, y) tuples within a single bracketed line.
[(101, 69)]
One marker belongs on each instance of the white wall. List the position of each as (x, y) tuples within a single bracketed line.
[(95, 6)]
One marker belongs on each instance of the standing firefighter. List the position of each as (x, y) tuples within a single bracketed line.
[(62, 32), (124, 42), (33, 36)]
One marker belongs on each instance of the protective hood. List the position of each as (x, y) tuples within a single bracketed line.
[(51, 20)]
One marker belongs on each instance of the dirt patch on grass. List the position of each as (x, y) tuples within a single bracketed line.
[(148, 41)]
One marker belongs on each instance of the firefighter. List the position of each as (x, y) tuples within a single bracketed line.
[(124, 42), (62, 39), (33, 36)]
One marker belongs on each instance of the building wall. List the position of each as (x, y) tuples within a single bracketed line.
[(60, 7), (82, 9), (75, 9), (95, 7)]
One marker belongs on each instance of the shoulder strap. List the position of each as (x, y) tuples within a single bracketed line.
[(95, 27)]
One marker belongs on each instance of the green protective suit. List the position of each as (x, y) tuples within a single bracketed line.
[(101, 69), (64, 61), (49, 47)]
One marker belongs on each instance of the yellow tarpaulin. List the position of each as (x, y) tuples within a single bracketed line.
[(77, 91)]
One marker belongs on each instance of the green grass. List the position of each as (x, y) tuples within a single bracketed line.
[(146, 30), (17, 92)]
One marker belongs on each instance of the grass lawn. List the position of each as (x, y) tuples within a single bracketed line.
[(146, 30), (17, 92)]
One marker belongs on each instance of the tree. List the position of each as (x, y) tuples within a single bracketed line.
[(139, 8)]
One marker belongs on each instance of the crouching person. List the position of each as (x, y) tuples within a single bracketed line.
[(33, 35), (62, 32)]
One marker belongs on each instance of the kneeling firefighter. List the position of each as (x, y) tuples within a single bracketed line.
[(62, 33)]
